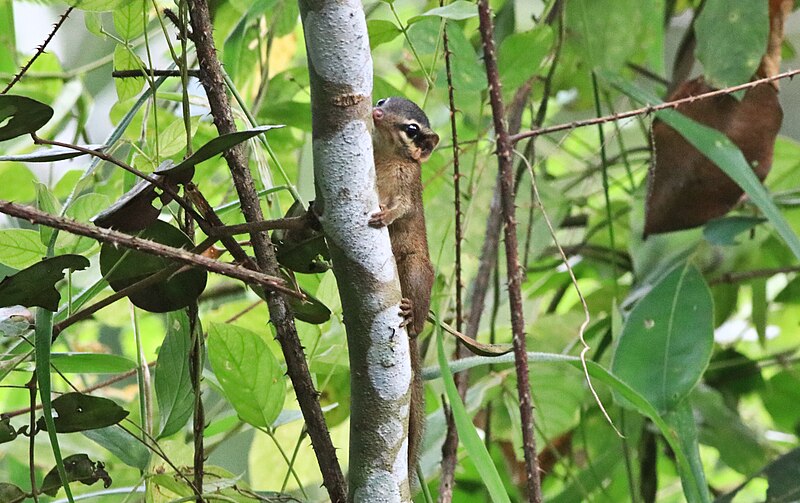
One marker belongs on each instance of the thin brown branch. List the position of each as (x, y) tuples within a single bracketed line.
[(39, 50), (33, 215), (281, 317), (504, 161), (290, 223), (450, 445), (152, 72), (650, 108), (738, 277)]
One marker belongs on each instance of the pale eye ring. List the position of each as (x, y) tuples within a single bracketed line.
[(381, 102), (411, 130)]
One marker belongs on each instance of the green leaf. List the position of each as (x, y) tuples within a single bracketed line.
[(521, 55), (17, 182), (79, 468), (50, 154), (731, 39), (790, 293), (467, 432), (35, 285), (20, 115), (123, 267), (121, 444), (248, 372), (682, 422), (97, 5), (124, 59), (667, 339), (760, 308), (381, 32), (91, 363), (173, 383), (82, 209), (214, 147), (79, 412), (781, 397), (128, 20), (48, 203), (783, 477), (596, 28), (21, 247), (457, 11), (723, 231)]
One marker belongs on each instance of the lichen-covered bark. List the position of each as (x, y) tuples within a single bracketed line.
[(340, 66)]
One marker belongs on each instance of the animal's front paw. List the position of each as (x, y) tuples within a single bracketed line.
[(379, 218)]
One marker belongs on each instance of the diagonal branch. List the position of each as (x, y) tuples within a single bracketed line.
[(116, 238), (650, 108)]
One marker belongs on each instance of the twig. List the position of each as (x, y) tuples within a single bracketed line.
[(39, 50), (737, 277), (291, 223), (129, 74), (504, 158), (271, 283), (212, 80), (450, 445), (650, 108)]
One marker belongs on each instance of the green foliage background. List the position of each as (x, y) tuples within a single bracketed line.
[(707, 365)]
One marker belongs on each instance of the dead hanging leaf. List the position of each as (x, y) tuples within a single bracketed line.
[(684, 188)]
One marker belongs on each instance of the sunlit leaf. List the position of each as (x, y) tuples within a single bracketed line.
[(248, 372)]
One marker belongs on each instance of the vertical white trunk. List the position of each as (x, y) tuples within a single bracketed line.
[(340, 66)]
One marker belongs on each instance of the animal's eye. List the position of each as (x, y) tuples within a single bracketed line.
[(411, 130), (381, 102)]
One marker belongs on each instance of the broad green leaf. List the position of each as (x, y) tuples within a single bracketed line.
[(20, 115), (215, 147), (94, 24), (666, 343), (467, 69), (79, 412), (21, 248), (128, 20), (248, 372), (521, 55), (457, 11), (468, 433), (122, 268), (597, 28), (121, 444), (35, 285), (79, 468), (50, 154), (780, 398), (173, 383), (731, 39), (783, 477), (682, 422), (124, 59), (17, 183), (790, 293), (381, 32)]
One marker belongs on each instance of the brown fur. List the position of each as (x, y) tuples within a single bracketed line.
[(398, 155)]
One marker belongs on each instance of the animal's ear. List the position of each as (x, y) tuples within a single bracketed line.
[(427, 145)]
